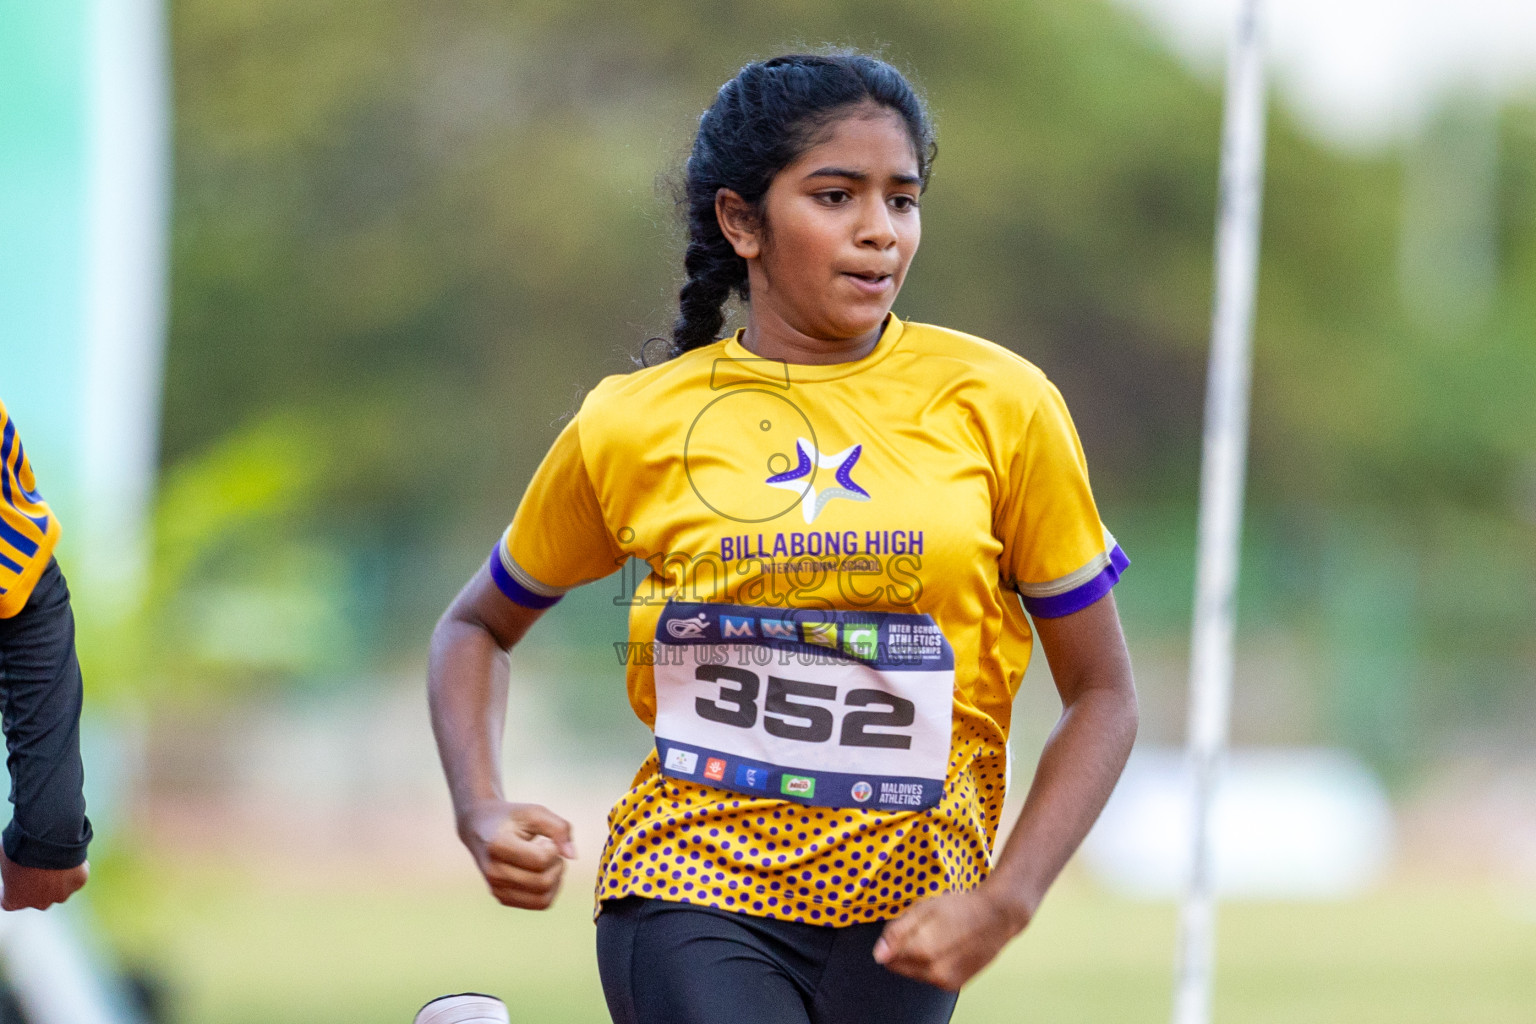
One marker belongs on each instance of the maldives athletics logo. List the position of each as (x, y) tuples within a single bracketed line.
[(862, 791)]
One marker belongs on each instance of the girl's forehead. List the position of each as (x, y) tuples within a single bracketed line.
[(869, 133)]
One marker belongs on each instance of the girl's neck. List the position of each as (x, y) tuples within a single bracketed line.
[(769, 337)]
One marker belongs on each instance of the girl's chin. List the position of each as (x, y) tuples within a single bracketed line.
[(842, 324), (852, 317), (858, 323)]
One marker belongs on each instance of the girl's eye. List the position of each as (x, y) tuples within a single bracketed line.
[(836, 196), (904, 202)]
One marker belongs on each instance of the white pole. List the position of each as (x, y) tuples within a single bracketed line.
[(128, 213), (1221, 495)]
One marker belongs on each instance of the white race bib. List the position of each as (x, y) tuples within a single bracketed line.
[(825, 707)]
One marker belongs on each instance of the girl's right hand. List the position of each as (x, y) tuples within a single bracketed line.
[(22, 887), (521, 850)]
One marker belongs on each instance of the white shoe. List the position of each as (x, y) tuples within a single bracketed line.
[(466, 1008)]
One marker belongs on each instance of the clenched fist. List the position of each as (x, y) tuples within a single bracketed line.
[(946, 939), (38, 888), (521, 850)]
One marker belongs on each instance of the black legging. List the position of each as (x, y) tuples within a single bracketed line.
[(678, 963)]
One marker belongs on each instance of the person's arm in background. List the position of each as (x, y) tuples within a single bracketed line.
[(946, 940), (43, 859), (517, 847)]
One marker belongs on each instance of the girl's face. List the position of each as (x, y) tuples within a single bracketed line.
[(838, 230)]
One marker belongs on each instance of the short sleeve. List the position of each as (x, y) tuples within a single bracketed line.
[(1056, 552), (558, 539), (29, 531)]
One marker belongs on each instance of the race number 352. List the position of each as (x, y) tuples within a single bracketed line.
[(794, 709)]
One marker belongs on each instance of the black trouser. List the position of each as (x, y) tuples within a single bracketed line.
[(40, 693), (678, 963)]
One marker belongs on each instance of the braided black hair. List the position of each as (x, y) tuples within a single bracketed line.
[(759, 123)]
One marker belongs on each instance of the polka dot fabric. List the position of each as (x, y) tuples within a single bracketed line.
[(689, 843)]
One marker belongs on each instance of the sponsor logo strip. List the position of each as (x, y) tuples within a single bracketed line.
[(879, 639), (815, 788)]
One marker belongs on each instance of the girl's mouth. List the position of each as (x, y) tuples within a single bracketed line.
[(872, 284)]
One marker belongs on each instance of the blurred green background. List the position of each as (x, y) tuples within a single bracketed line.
[(409, 234)]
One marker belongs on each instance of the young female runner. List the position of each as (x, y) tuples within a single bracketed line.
[(841, 513)]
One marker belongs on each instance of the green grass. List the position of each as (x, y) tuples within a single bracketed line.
[(246, 947)]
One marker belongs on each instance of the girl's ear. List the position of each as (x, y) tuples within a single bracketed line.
[(739, 223)]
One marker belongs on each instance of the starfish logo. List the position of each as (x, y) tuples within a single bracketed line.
[(812, 500)]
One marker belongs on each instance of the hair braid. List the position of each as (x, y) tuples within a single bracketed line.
[(712, 270)]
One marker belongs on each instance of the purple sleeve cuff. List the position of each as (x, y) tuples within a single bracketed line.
[(515, 591), (1080, 597)]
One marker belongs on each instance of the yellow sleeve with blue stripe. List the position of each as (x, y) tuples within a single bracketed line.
[(1056, 553), (558, 539), (29, 530)]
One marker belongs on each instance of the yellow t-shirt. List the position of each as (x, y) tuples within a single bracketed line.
[(871, 525), (29, 531)]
